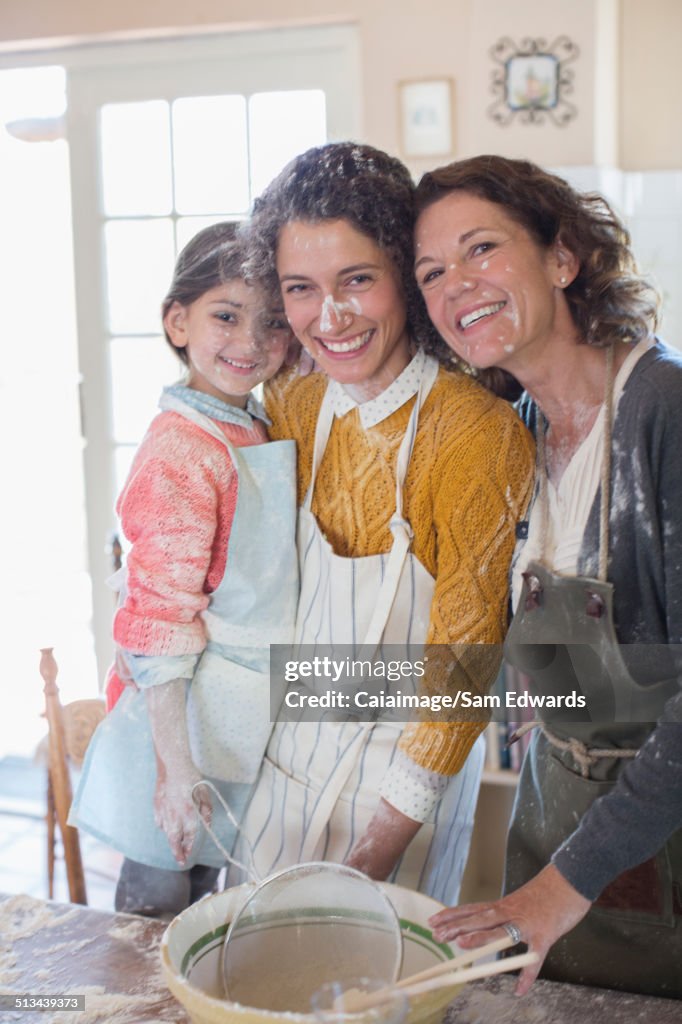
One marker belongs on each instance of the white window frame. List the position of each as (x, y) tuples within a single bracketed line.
[(321, 57)]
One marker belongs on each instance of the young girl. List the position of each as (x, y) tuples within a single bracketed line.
[(209, 510)]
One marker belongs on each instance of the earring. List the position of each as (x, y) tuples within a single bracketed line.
[(562, 280)]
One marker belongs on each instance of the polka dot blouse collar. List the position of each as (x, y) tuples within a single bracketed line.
[(401, 390)]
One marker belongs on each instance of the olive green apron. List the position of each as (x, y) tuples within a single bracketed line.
[(563, 639)]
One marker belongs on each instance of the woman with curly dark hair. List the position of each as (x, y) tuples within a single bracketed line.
[(521, 272), (412, 477)]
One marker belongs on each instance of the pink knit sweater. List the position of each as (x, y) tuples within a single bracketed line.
[(176, 509)]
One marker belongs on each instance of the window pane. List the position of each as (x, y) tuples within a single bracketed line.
[(140, 368), (136, 158), (281, 125), (210, 154), (139, 257), (187, 227)]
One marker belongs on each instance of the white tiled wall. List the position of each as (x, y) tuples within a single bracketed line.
[(650, 203)]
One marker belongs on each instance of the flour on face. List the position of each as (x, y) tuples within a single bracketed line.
[(335, 313)]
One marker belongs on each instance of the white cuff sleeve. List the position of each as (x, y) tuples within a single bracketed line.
[(412, 790)]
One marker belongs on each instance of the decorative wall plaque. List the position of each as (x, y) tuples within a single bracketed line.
[(532, 81)]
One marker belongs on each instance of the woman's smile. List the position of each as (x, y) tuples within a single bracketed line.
[(470, 317), (349, 346)]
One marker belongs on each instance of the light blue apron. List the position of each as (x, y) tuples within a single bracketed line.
[(228, 702)]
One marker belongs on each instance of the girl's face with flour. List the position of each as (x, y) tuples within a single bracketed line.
[(343, 300), (232, 340)]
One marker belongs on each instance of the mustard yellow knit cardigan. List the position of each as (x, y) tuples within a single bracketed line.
[(468, 484)]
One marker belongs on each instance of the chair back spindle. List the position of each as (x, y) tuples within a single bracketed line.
[(60, 779)]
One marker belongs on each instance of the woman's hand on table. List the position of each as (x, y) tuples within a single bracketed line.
[(385, 840), (542, 911)]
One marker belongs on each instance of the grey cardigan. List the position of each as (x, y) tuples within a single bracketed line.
[(633, 821)]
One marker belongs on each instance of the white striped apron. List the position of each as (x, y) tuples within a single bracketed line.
[(318, 786)]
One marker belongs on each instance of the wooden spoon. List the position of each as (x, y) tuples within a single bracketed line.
[(355, 1001), (469, 956)]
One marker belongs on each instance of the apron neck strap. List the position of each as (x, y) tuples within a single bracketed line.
[(325, 421), (606, 468), (400, 528), (428, 379)]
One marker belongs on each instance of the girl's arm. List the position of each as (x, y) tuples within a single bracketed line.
[(174, 810), (176, 511)]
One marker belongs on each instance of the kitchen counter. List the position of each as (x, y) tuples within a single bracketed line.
[(113, 960), (549, 1002)]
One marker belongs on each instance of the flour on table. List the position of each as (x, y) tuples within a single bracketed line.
[(106, 1008), (128, 932), (21, 917)]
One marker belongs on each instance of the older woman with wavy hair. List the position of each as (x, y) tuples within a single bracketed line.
[(521, 272)]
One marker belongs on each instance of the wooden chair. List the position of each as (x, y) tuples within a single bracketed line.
[(70, 729)]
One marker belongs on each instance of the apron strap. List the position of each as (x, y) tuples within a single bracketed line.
[(402, 539), (400, 528), (584, 756), (332, 790), (428, 379), (323, 428)]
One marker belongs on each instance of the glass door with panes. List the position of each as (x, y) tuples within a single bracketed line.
[(165, 139)]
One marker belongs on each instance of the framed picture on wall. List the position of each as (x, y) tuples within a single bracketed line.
[(426, 117), (532, 81)]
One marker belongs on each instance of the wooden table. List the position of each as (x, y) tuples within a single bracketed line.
[(113, 959), (548, 1002)]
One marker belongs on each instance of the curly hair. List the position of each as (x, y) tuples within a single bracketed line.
[(356, 183), (609, 301), (213, 256)]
